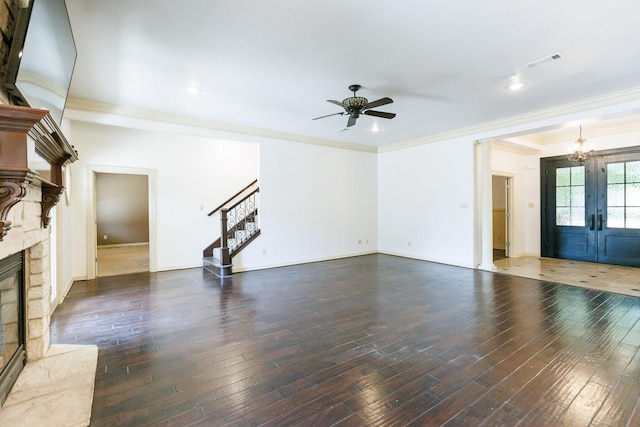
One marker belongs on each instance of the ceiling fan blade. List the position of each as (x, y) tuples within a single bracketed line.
[(335, 102), (351, 122), (379, 102), (380, 114), (329, 115)]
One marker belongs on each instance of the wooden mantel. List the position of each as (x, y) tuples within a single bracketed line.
[(15, 175)]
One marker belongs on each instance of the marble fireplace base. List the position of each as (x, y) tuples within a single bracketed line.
[(56, 390)]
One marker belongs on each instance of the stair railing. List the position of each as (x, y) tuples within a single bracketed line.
[(238, 224), (230, 199)]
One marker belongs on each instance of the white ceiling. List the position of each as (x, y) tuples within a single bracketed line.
[(268, 67)]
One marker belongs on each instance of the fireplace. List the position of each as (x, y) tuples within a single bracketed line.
[(25, 300), (30, 185), (12, 322), (33, 153)]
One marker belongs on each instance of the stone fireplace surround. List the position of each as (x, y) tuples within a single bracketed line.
[(56, 384), (26, 234)]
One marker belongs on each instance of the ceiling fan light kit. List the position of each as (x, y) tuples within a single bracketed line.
[(356, 105)]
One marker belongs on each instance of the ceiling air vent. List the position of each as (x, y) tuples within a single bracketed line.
[(538, 62)]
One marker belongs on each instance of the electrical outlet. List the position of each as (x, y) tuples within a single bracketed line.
[(264, 252), (359, 241), (104, 237), (409, 242)]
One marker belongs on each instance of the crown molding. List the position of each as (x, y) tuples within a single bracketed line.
[(591, 128), (614, 98), (75, 108), (523, 148)]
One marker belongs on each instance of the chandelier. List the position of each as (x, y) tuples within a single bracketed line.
[(579, 155)]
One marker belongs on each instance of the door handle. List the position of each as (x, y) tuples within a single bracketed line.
[(599, 222), (592, 222)]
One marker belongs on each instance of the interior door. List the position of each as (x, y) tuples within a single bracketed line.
[(592, 212)]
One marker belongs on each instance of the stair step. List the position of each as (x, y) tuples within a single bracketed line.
[(214, 265), (211, 261)]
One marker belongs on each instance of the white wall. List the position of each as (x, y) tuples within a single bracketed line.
[(190, 173), (65, 232), (316, 203), (426, 197), (530, 225)]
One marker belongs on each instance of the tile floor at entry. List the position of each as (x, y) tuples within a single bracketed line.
[(591, 275)]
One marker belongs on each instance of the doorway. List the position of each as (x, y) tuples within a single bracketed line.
[(500, 202), (591, 212), (122, 223)]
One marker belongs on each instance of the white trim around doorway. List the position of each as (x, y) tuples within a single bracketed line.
[(92, 243)]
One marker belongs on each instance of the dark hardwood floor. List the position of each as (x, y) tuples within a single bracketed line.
[(373, 340)]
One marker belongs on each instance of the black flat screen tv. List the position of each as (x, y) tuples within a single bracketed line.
[(41, 57)]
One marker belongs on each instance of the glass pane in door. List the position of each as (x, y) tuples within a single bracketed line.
[(633, 218), (570, 196), (623, 195)]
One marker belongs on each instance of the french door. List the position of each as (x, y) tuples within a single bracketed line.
[(591, 212)]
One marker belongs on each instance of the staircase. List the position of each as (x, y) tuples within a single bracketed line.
[(238, 227)]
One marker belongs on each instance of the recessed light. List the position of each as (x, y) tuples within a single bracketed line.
[(194, 90), (375, 128), (515, 86)]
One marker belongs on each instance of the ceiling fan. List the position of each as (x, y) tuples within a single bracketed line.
[(356, 105)]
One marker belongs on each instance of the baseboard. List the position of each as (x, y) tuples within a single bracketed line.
[(436, 260), (527, 254), (177, 267), (66, 290), (120, 245), (307, 261)]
